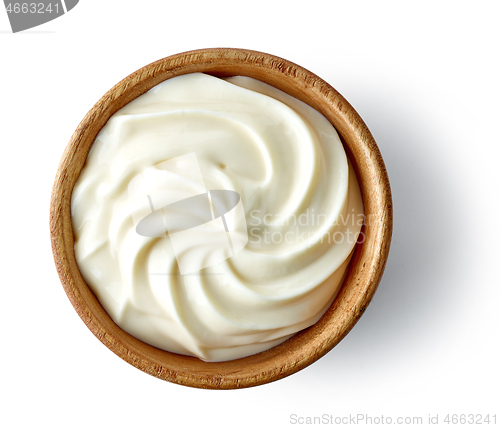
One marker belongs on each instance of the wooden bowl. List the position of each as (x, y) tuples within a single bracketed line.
[(366, 267)]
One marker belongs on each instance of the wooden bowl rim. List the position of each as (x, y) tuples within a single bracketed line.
[(366, 267)]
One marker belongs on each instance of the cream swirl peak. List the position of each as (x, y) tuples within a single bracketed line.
[(215, 217)]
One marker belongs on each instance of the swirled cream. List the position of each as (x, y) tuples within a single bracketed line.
[(215, 217)]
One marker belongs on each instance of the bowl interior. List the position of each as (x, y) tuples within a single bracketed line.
[(366, 266)]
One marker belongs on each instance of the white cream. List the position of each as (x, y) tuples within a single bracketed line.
[(205, 291)]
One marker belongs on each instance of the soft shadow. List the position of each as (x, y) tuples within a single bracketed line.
[(411, 304)]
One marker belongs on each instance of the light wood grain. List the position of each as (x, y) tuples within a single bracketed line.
[(365, 269)]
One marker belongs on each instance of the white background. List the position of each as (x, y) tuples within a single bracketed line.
[(425, 78)]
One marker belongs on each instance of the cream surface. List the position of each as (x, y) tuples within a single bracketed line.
[(227, 287)]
